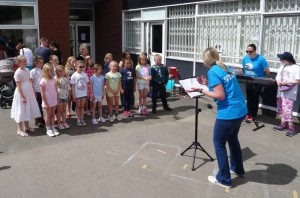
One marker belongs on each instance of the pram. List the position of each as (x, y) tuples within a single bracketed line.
[(7, 85)]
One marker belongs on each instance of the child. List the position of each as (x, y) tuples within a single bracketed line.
[(143, 74), (35, 77), (107, 59), (70, 69), (24, 105), (128, 86), (113, 85), (63, 86), (289, 76), (89, 72), (79, 81), (97, 92), (160, 77), (54, 62), (48, 88)]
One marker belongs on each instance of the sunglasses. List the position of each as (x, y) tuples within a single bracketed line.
[(249, 51), (81, 67)]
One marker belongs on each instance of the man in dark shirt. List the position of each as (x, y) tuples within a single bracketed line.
[(43, 50)]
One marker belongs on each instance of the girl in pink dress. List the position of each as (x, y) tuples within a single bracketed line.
[(49, 94), (24, 105)]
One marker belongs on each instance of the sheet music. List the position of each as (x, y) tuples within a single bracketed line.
[(190, 83)]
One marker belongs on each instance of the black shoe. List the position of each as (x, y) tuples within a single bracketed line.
[(167, 108), (154, 111)]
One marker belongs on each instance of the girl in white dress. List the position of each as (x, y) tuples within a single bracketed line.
[(24, 105)]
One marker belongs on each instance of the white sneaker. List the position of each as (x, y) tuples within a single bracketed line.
[(101, 119), (118, 117), (213, 180), (55, 131), (94, 121), (50, 133), (60, 127), (66, 126), (79, 123), (114, 117), (83, 123), (234, 173), (111, 119)]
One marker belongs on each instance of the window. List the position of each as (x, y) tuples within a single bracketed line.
[(132, 32), (17, 24)]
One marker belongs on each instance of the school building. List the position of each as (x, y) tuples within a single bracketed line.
[(179, 30)]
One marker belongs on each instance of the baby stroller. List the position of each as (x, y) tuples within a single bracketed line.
[(7, 85)]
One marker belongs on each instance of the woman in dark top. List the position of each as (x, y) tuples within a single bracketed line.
[(54, 46)]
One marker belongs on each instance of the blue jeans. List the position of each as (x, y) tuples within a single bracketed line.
[(227, 131)]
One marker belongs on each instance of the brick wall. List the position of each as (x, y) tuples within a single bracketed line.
[(108, 29), (54, 23)]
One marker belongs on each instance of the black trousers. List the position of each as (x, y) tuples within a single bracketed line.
[(127, 98), (39, 101), (253, 92), (161, 89)]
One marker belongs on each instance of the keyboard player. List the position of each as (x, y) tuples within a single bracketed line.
[(254, 65)]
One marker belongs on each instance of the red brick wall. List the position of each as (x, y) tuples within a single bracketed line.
[(108, 29), (54, 23)]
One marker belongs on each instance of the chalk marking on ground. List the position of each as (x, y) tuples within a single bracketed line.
[(295, 194), (185, 166), (161, 151), (144, 166)]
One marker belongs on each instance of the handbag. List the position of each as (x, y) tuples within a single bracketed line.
[(287, 87)]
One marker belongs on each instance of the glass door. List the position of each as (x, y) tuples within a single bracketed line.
[(81, 33), (154, 39)]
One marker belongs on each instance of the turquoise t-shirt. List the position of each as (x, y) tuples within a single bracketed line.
[(233, 106), (254, 66)]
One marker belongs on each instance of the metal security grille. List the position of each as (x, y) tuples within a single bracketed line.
[(273, 25), (132, 31), (282, 5)]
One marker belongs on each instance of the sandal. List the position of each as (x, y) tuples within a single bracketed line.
[(29, 130), (22, 134)]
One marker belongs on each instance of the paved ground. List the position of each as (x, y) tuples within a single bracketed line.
[(140, 157)]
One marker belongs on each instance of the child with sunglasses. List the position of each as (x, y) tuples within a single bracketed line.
[(79, 81)]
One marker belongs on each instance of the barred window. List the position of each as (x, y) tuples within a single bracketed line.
[(132, 31)]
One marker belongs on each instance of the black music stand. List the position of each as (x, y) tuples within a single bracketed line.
[(196, 145)]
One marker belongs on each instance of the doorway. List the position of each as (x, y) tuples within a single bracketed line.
[(81, 33), (154, 39)]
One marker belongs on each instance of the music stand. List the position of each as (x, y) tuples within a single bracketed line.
[(189, 84)]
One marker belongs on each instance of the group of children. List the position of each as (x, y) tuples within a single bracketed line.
[(54, 87)]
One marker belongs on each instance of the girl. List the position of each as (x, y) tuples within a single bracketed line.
[(113, 85), (79, 81), (49, 94), (63, 92), (143, 74), (128, 86), (70, 69), (288, 76), (54, 62), (24, 105), (35, 77), (89, 72), (107, 59), (97, 92)]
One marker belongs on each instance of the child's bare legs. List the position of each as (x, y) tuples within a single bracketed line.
[(52, 118), (20, 126), (145, 91), (59, 114), (141, 91), (63, 112), (116, 98), (69, 104), (27, 127), (94, 104), (86, 106), (48, 117), (20, 131), (110, 105), (80, 109), (100, 108)]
